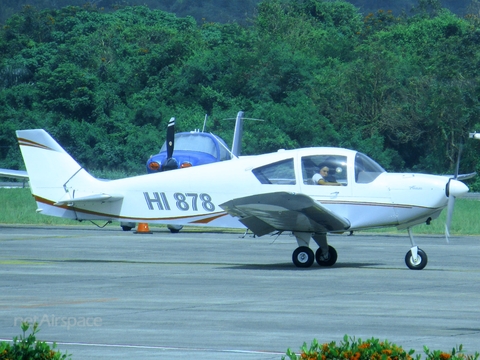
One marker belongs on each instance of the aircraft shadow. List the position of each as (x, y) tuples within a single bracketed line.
[(291, 267), (288, 266)]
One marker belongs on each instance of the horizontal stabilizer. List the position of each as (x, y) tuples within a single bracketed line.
[(90, 198), (283, 211), (14, 174)]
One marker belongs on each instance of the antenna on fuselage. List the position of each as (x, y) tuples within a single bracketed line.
[(204, 122)]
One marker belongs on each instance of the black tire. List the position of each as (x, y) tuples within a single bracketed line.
[(174, 229), (421, 262), (126, 228), (332, 257), (303, 257)]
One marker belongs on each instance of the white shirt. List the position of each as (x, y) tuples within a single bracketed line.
[(316, 178)]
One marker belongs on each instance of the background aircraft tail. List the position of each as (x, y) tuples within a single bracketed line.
[(237, 135), (51, 170)]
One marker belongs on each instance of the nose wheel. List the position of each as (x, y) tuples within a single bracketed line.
[(416, 259)]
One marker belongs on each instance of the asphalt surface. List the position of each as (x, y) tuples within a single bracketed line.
[(109, 294)]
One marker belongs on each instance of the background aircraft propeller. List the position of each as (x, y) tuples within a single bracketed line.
[(170, 163)]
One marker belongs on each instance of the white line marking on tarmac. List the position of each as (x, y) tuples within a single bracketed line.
[(159, 347)]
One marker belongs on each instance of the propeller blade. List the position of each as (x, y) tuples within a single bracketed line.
[(450, 206), (454, 188), (170, 137)]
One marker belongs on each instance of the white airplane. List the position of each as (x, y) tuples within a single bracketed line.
[(264, 193)]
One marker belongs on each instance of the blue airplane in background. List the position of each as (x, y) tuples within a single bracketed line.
[(188, 149)]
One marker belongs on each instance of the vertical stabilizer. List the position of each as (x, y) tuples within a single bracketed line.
[(237, 135), (51, 170)]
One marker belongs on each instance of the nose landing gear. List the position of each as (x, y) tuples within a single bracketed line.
[(416, 258)]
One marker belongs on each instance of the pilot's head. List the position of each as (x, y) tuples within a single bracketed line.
[(324, 171)]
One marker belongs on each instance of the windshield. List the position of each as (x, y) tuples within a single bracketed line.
[(366, 170), (193, 142)]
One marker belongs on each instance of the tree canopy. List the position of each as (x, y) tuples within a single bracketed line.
[(402, 89)]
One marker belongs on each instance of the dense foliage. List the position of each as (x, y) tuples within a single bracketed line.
[(28, 347), (403, 89), (371, 349), (216, 10)]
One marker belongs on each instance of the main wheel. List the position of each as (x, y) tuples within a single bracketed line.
[(174, 228), (127, 226), (417, 264), (303, 257), (332, 257)]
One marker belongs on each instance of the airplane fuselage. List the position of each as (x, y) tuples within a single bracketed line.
[(193, 196)]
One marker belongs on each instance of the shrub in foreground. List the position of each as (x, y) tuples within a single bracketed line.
[(27, 347), (371, 349)]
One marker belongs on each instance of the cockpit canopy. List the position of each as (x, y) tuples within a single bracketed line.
[(364, 168)]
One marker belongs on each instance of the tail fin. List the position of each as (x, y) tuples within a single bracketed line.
[(51, 170), (237, 135)]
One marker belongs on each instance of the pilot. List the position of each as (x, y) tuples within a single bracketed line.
[(323, 177)]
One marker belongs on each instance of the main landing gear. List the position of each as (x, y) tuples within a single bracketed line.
[(303, 256), (416, 259)]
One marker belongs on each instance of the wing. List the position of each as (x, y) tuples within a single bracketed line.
[(15, 174), (283, 211)]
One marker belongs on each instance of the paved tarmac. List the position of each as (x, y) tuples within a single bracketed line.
[(109, 294)]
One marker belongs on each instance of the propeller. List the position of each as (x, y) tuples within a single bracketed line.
[(453, 189), (170, 163)]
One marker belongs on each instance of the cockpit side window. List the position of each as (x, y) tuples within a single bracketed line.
[(280, 173), (334, 169), (366, 170)]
